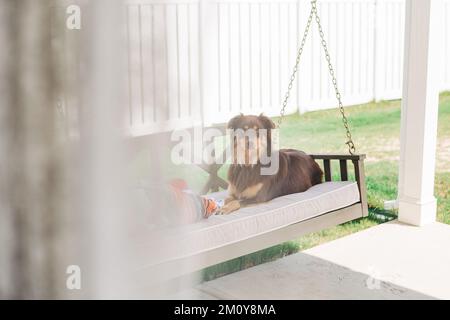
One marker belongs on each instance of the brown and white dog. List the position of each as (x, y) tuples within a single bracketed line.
[(297, 171)]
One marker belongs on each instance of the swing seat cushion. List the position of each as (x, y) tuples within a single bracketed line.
[(247, 222)]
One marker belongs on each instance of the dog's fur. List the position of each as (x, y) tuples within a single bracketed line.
[(297, 171)]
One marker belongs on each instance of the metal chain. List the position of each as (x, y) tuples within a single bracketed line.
[(294, 71), (349, 143)]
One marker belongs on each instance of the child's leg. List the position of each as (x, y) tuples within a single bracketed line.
[(192, 206), (199, 207)]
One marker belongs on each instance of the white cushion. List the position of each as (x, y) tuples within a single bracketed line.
[(218, 231)]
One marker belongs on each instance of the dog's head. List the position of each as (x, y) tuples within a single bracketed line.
[(251, 136)]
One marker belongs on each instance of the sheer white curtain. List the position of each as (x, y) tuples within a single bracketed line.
[(31, 175), (65, 196)]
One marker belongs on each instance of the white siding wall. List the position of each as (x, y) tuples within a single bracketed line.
[(205, 61)]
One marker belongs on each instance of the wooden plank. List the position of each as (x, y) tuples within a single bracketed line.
[(327, 169), (222, 183), (173, 57), (344, 171), (134, 65), (357, 173), (159, 38), (215, 182), (362, 188), (360, 179), (178, 267), (338, 156), (148, 61), (182, 32)]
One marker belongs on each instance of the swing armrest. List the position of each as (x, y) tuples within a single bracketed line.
[(358, 165)]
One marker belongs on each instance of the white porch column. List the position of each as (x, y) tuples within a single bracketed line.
[(421, 78)]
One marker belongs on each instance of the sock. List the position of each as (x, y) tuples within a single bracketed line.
[(193, 207)]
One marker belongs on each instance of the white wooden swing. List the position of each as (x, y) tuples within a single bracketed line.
[(221, 238)]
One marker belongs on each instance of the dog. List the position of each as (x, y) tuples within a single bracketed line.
[(297, 171)]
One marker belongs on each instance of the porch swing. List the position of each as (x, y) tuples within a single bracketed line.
[(249, 229)]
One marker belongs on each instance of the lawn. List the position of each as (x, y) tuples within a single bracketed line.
[(376, 130)]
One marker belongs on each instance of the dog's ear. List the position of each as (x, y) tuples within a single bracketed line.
[(234, 122), (266, 122)]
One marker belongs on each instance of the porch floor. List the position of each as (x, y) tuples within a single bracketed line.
[(389, 261)]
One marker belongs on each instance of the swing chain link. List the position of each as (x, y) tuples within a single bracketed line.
[(294, 71), (349, 143)]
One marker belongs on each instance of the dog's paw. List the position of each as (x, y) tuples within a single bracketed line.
[(228, 200), (229, 207)]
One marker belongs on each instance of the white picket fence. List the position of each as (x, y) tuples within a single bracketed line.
[(203, 61)]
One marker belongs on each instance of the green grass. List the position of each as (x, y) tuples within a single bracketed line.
[(376, 130)]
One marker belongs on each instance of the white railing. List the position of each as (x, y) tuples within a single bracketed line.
[(193, 62)]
